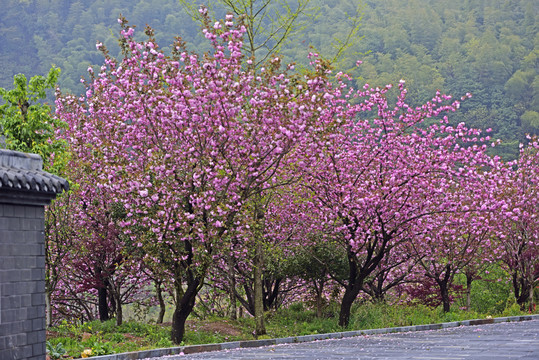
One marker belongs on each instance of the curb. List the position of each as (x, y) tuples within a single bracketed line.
[(193, 349)]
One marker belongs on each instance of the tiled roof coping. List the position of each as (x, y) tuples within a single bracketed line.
[(24, 172)]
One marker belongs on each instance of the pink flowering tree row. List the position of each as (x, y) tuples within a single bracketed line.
[(87, 253), (387, 179), (193, 162), (518, 245)]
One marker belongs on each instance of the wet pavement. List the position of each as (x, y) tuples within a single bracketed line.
[(506, 340)]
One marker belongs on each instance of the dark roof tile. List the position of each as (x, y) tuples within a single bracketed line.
[(21, 171)]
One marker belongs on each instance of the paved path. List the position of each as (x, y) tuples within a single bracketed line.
[(514, 340)]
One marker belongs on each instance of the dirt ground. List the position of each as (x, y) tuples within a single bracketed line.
[(219, 327)]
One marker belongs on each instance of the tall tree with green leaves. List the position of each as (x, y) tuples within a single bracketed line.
[(269, 24), (27, 124)]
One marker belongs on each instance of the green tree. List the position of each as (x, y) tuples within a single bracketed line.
[(519, 86), (269, 24), (27, 125), (530, 122)]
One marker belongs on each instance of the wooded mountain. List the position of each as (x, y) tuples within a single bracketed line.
[(489, 48)]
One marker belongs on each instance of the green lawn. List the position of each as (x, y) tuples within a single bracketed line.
[(101, 338)]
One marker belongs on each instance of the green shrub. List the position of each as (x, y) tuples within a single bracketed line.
[(512, 309), (70, 344), (102, 348), (114, 337), (296, 307), (488, 294), (164, 343), (55, 352)]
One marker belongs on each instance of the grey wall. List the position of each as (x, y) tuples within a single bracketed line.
[(25, 189), (22, 282)]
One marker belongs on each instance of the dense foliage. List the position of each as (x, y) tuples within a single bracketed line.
[(188, 164), (487, 48), (27, 125)]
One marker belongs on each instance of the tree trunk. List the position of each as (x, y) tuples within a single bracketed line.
[(248, 303), (352, 289), (319, 291), (232, 312), (520, 287), (350, 294), (119, 312), (115, 301), (444, 292), (185, 302), (318, 305), (48, 308), (444, 284), (271, 294), (161, 301), (260, 328), (469, 280), (112, 299), (103, 304), (178, 324), (532, 305), (377, 248), (379, 293)]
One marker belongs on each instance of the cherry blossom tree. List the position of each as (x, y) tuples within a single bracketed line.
[(264, 240), (184, 142), (60, 232), (519, 237), (393, 271), (455, 240), (381, 173), (87, 251)]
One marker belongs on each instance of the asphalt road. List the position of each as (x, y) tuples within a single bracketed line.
[(512, 340)]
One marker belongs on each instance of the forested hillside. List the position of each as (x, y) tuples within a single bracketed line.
[(488, 48)]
